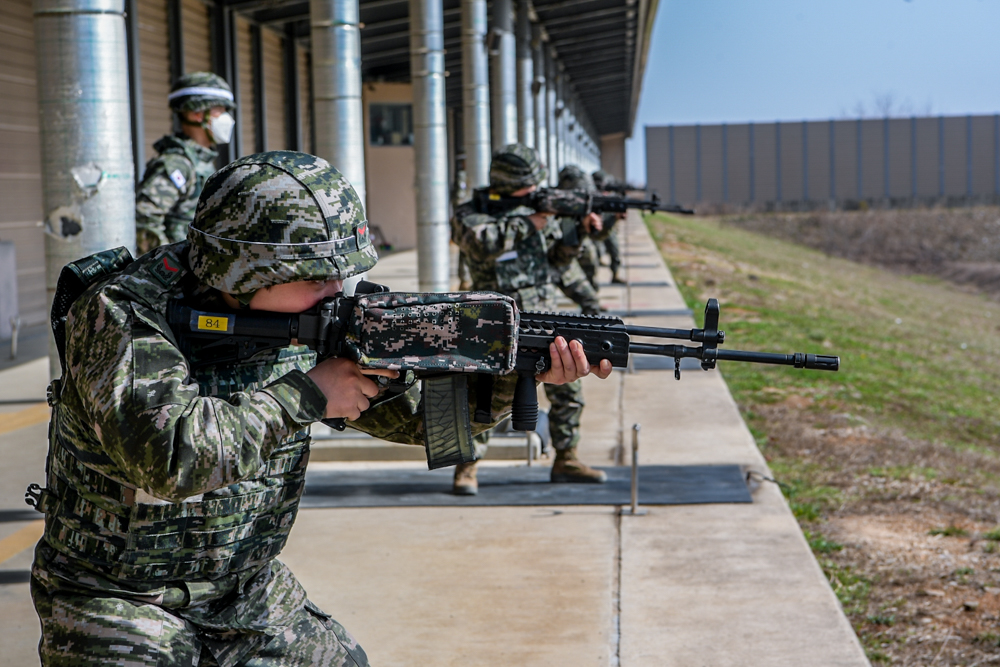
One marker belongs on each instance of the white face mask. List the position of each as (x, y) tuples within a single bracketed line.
[(221, 127)]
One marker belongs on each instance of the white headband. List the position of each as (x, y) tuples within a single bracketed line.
[(201, 90)]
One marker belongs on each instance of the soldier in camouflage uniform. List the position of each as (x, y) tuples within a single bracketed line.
[(172, 488), (166, 198), (513, 254), (574, 279), (605, 182)]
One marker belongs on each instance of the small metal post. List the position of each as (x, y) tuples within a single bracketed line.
[(15, 329), (634, 510)]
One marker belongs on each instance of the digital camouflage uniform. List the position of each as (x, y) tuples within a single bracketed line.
[(507, 254), (577, 278), (171, 489), (166, 198), (608, 237)]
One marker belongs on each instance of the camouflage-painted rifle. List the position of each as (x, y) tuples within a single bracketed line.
[(570, 203), (443, 338)]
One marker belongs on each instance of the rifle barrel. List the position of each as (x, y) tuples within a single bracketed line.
[(819, 362)]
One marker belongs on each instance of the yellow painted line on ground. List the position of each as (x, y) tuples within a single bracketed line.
[(36, 414), (28, 536)]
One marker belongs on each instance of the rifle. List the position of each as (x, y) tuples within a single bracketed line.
[(571, 203), (518, 343)]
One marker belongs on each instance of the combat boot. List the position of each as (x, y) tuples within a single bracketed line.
[(616, 279), (465, 483), (567, 469)]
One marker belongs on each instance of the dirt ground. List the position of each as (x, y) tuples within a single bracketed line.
[(905, 530)]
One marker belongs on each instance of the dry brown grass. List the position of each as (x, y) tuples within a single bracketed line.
[(959, 245)]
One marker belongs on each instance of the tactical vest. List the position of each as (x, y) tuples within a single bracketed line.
[(126, 534), (522, 264), (202, 161)]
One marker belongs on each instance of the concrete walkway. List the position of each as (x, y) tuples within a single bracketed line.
[(708, 585)]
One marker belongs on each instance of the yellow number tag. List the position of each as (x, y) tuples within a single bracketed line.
[(206, 323)]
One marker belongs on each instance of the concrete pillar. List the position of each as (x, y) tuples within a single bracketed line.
[(538, 93), (88, 177), (525, 75), (504, 99), (336, 66), (475, 94), (552, 109), (430, 143)]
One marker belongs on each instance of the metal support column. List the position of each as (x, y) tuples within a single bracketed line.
[(88, 188), (525, 74), (538, 93), (552, 117), (226, 65), (336, 80), (293, 106), (504, 98), (257, 78), (175, 40), (430, 143), (475, 94), (135, 86)]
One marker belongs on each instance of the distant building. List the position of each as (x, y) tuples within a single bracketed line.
[(792, 165)]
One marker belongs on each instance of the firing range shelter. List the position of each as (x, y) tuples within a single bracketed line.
[(397, 94)]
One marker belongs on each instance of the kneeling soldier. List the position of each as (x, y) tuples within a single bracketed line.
[(172, 488)]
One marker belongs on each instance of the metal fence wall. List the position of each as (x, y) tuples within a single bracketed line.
[(894, 161)]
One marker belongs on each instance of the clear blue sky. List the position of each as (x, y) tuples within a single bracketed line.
[(714, 61)]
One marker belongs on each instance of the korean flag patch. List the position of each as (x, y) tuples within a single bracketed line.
[(178, 179)]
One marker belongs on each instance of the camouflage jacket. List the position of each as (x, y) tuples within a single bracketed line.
[(508, 254), (166, 199), (178, 486)]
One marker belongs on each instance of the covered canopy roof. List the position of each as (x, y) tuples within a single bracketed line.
[(601, 44)]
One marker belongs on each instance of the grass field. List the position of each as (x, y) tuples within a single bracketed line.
[(890, 464)]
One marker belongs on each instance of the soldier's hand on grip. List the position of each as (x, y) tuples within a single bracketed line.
[(347, 390), (569, 363)]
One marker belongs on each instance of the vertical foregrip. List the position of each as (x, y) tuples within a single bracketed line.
[(524, 411)]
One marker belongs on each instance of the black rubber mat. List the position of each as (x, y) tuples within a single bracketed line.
[(675, 312), (638, 283), (649, 362), (8, 577), (520, 486), (27, 514)]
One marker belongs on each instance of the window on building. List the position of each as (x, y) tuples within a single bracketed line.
[(391, 124)]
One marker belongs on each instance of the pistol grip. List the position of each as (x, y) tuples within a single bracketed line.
[(524, 411)]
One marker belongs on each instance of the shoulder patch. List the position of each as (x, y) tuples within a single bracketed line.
[(178, 179), (168, 270)]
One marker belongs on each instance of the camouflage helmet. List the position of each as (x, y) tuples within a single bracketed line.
[(198, 91), (278, 217), (515, 166), (602, 179), (571, 177)]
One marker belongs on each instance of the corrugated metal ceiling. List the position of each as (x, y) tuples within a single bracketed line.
[(600, 43)]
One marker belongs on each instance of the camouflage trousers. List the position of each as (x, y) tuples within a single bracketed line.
[(613, 250), (82, 630), (589, 260), (566, 402), (575, 284)]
